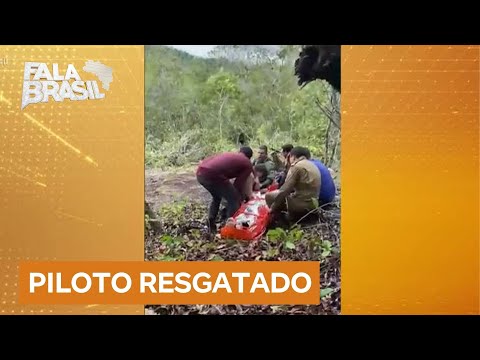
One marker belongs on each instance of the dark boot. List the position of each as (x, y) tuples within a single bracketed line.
[(278, 220), (212, 227), (223, 214)]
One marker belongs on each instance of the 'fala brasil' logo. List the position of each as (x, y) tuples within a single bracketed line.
[(39, 84)]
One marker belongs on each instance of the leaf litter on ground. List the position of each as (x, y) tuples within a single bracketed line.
[(184, 237)]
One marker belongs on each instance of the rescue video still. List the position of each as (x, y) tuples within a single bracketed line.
[(242, 155)]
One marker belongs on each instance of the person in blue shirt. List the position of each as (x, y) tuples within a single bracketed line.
[(327, 187)]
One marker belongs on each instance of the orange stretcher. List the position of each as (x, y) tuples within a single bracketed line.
[(249, 222)]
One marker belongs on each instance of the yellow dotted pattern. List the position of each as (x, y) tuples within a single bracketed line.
[(410, 175), (64, 167)]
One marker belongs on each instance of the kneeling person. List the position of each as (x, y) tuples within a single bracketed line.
[(263, 175), (299, 194)]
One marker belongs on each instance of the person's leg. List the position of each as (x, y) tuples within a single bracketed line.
[(281, 178), (278, 218), (215, 190), (248, 187), (229, 193), (223, 210), (300, 209), (270, 198), (224, 205)]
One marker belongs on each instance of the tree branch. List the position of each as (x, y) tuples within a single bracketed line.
[(326, 113)]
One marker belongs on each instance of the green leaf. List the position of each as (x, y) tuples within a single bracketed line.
[(272, 253), (195, 233), (296, 235), (276, 234), (315, 203), (325, 253), (325, 292), (290, 245), (272, 234), (215, 258), (167, 238)]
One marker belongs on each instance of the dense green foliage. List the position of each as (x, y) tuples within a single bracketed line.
[(196, 107)]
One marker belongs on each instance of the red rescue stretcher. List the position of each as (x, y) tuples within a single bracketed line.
[(250, 221), (272, 187)]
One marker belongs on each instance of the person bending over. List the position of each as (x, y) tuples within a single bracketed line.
[(215, 174)]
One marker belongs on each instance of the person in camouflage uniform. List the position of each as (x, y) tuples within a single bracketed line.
[(268, 167), (261, 174)]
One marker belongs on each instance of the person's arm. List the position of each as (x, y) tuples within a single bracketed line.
[(286, 189), (280, 179), (240, 180), (248, 187), (256, 184)]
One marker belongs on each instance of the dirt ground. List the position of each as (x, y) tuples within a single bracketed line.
[(162, 187)]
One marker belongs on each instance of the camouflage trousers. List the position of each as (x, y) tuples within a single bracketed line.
[(294, 206)]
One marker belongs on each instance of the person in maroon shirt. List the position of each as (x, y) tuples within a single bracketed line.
[(214, 174)]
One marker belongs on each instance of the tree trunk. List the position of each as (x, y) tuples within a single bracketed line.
[(152, 218)]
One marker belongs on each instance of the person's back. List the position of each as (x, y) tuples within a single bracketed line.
[(327, 187), (308, 181), (225, 166)]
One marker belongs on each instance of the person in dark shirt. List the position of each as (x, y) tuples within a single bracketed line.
[(214, 174)]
